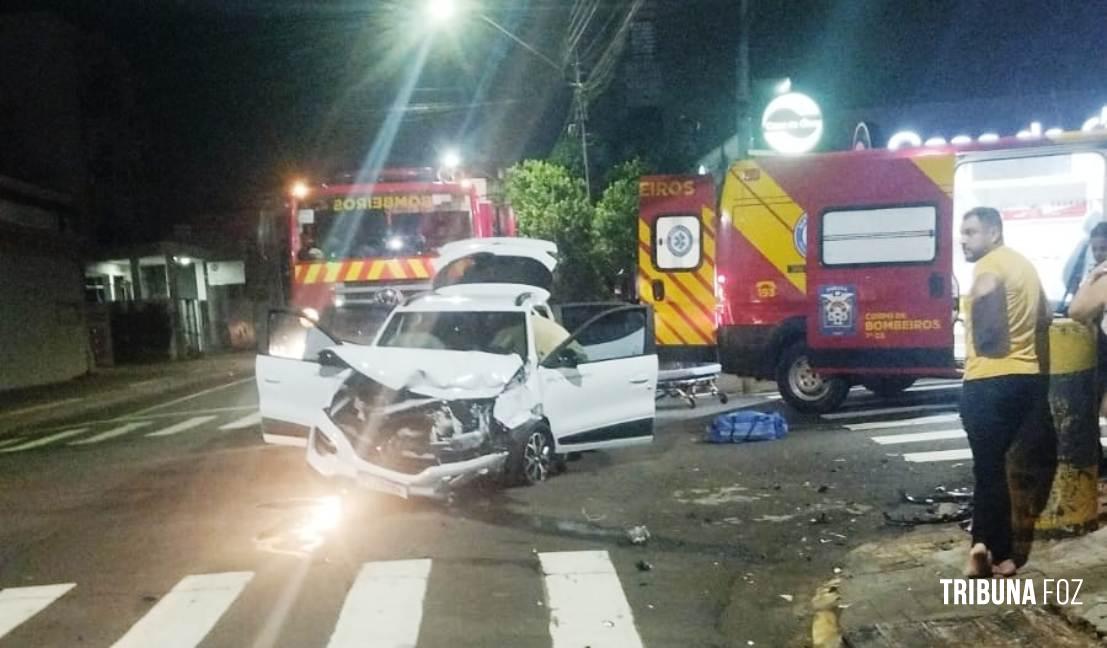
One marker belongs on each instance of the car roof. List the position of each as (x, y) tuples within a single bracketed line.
[(478, 297)]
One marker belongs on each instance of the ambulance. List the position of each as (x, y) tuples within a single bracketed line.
[(829, 270)]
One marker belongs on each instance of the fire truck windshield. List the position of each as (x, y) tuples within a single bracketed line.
[(327, 234)]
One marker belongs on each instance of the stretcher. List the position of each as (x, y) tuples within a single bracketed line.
[(687, 381)]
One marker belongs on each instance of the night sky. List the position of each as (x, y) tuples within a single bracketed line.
[(240, 95)]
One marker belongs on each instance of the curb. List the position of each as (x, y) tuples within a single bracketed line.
[(826, 632)]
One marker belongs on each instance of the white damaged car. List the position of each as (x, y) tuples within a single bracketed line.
[(474, 378)]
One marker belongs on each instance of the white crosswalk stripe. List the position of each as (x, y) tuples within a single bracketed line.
[(586, 601), (905, 409), (17, 604), (36, 443), (244, 422), (112, 433), (925, 420), (184, 616), (938, 455), (195, 421), (384, 607), (915, 437)]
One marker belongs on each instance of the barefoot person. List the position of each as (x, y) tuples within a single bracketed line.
[(1006, 335)]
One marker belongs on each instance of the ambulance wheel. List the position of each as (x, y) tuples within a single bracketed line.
[(888, 386), (803, 388)]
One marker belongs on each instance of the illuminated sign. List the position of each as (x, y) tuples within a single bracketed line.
[(911, 139), (665, 188), (388, 201), (792, 123)]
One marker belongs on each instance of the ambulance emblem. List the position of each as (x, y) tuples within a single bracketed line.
[(679, 241), (838, 308)]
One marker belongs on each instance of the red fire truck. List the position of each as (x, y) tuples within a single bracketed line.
[(358, 249), (828, 270)]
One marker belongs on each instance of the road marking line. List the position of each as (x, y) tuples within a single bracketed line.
[(924, 420), (191, 396), (11, 441), (915, 437), (889, 410), (384, 607), (938, 455), (112, 433), (185, 615), (17, 604), (35, 408), (46, 439), (924, 388), (154, 417), (244, 422), (182, 426), (586, 601)]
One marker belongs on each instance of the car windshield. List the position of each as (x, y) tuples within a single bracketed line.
[(488, 331)]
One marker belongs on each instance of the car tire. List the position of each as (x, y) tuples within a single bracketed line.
[(803, 388), (531, 460), (888, 386)]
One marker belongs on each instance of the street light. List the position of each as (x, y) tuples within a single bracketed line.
[(299, 190), (451, 159), (441, 11)]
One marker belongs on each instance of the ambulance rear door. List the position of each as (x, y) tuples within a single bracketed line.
[(880, 293), (676, 262)]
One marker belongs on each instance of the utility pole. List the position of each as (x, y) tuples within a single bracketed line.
[(582, 121), (744, 100)]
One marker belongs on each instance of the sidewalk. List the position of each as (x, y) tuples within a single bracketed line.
[(889, 594), (115, 387)]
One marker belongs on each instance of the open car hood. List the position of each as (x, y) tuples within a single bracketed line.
[(528, 262), (433, 372)]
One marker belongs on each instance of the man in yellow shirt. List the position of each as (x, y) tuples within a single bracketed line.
[(1007, 340)]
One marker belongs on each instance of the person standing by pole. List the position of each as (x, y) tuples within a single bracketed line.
[(1007, 340)]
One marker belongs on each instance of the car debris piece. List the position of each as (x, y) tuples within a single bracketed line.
[(638, 535), (787, 597), (644, 566), (822, 489), (941, 495)]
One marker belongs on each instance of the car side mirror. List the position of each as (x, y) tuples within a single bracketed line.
[(329, 358), (561, 358)]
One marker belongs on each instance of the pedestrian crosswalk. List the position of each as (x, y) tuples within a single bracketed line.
[(910, 436), (585, 605), (149, 426)]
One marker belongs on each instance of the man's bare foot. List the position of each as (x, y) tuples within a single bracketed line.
[(1005, 568), (980, 563)]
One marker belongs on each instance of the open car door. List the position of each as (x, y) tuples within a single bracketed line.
[(598, 386), (880, 266), (297, 376)]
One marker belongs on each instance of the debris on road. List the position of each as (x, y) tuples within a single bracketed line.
[(787, 597), (638, 535), (592, 518), (715, 497), (643, 566), (822, 489)]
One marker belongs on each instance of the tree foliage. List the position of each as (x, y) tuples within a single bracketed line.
[(597, 243)]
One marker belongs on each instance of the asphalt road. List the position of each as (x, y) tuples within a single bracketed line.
[(175, 526)]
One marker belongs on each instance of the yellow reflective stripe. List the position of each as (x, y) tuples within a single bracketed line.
[(689, 321), (333, 268), (375, 269), (767, 230), (1071, 347), (417, 268), (355, 271), (939, 168), (299, 272), (397, 269), (312, 273), (662, 332)]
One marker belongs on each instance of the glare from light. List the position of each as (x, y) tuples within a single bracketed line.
[(702, 170), (299, 190), (1054, 132), (960, 140), (988, 138), (904, 139), (441, 11), (395, 243), (1034, 131), (451, 159), (339, 302), (784, 87), (311, 314), (185, 261), (935, 141), (466, 183)]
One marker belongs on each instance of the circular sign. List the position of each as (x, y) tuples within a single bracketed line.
[(679, 241), (799, 235), (792, 123)]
